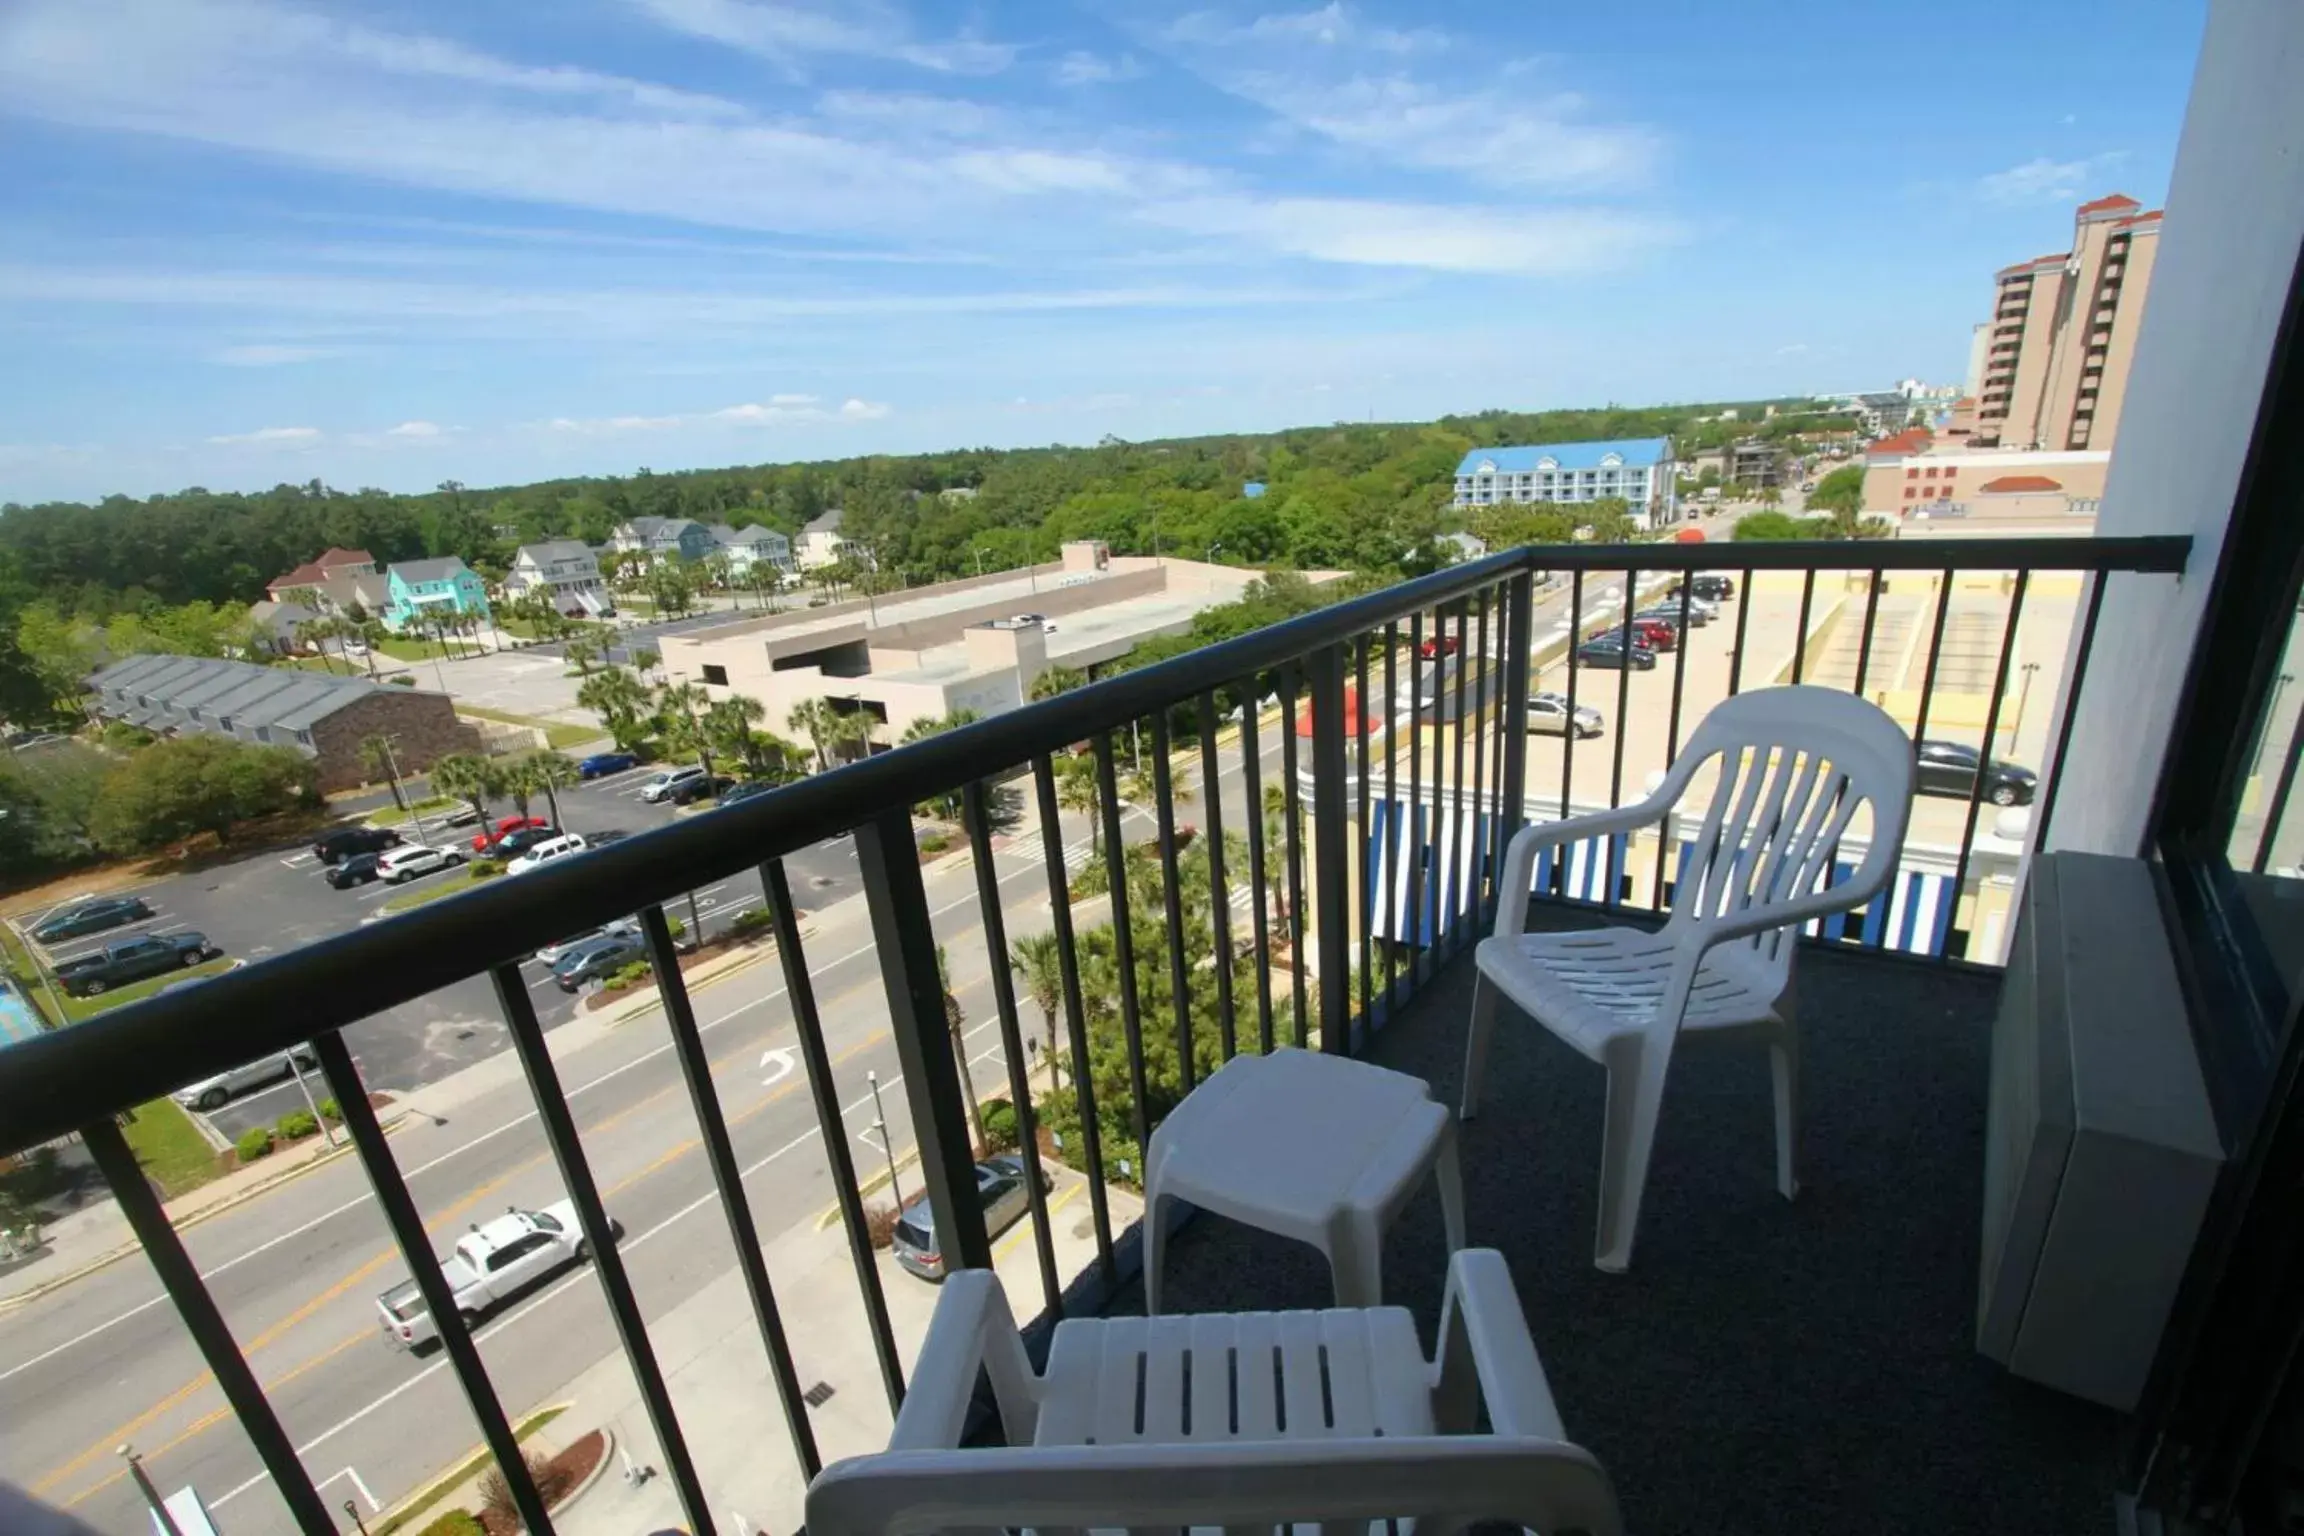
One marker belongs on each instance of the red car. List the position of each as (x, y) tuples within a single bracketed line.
[(1656, 634), (1438, 646), (508, 824)]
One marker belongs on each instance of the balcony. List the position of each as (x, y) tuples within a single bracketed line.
[(1303, 852)]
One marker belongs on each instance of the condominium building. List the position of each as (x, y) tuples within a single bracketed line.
[(2063, 327), (1636, 470)]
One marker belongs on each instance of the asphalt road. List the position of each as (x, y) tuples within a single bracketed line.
[(295, 1271), (277, 900)]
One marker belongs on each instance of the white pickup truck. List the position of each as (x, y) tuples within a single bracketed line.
[(490, 1263)]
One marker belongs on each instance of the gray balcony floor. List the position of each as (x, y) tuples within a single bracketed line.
[(1765, 1366)]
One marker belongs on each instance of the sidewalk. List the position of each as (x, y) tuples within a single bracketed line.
[(716, 1369)]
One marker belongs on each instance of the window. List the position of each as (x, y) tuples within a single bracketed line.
[(1931, 473), (1912, 474), (1911, 491), (715, 675)]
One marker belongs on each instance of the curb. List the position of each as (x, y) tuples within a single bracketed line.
[(607, 1454), (695, 983), (392, 1511), (865, 1188), (264, 1186)]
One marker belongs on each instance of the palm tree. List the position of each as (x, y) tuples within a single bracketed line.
[(514, 778), (369, 632), (316, 633), (551, 773), (955, 1018), (1077, 790), (376, 752), (582, 651), (677, 704), (469, 777), (1038, 960), (813, 718), (728, 726), (621, 701), (1058, 680)]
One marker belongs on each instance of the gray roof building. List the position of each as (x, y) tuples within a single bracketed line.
[(439, 568)]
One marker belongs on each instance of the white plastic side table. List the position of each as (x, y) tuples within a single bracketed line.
[(1319, 1148)]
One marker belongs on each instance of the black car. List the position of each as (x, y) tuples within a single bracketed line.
[(689, 791), (518, 841), (343, 842), (1949, 768), (1607, 650), (1669, 612), (351, 870), (91, 914), (1711, 588), (737, 793)]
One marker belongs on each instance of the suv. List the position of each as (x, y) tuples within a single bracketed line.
[(597, 959), (1656, 634), (343, 842), (542, 853), (664, 781), (410, 860), (1000, 1185), (1711, 588)]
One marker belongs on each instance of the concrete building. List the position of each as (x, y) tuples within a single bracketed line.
[(1638, 470), (566, 569), (1913, 474), (820, 541), (325, 718), (976, 643), (2064, 327)]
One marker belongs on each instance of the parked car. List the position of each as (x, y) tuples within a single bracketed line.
[(543, 853), (211, 1092), (519, 840), (689, 791), (735, 794), (601, 764), (1949, 768), (1548, 716), (1669, 613), (1000, 1185), (1434, 647), (489, 1264), (1655, 634), (126, 960), (411, 860), (603, 838), (597, 959), (482, 841), (90, 914), (624, 927), (662, 782), (342, 842), (1711, 588), (1606, 649), (358, 869)]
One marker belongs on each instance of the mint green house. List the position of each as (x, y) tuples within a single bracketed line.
[(417, 589)]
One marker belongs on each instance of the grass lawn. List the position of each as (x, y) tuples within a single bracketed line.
[(79, 1008), (435, 888), (558, 733), (170, 1148)]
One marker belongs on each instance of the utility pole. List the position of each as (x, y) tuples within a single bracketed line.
[(392, 766), (159, 1506), (887, 1149)]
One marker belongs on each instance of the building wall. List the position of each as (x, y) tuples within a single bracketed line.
[(2035, 355), (2127, 325), (423, 726), (1961, 477), (2227, 257)]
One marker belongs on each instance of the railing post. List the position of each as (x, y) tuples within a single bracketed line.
[(1331, 813), (1512, 790), (905, 939)]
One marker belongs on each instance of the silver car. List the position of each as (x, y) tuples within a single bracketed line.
[(211, 1092), (1000, 1184), (1548, 716)]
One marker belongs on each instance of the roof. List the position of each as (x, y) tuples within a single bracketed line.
[(555, 549), (825, 522), (2137, 220), (442, 568), (2037, 264), (251, 696), (1633, 452), (1689, 536), (724, 534), (269, 612), (333, 557), (2116, 203), (308, 574), (658, 527), (1911, 440), (2016, 484)]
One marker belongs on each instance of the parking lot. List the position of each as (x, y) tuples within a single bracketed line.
[(276, 900)]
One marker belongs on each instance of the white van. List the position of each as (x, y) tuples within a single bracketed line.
[(546, 851)]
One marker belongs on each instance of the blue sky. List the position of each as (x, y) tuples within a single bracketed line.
[(401, 241)]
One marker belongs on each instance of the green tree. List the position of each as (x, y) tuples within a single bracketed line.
[(1057, 680), (1038, 961), (1840, 493), (830, 732), (956, 1020), (944, 807), (469, 777), (376, 752), (1767, 527), (621, 701), (174, 790), (1078, 790), (547, 774)]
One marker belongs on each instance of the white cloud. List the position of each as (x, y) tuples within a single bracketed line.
[(2042, 180), (1433, 237), (781, 409), (862, 410), (262, 355), (1792, 349), (416, 429), (268, 435), (1334, 25), (791, 399), (610, 426), (1079, 68), (790, 32)]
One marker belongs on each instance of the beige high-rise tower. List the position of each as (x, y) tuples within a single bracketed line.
[(2062, 331)]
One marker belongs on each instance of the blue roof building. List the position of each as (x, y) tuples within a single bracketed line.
[(1252, 489), (1637, 470)]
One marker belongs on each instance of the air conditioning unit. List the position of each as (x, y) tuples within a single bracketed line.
[(2101, 1149)]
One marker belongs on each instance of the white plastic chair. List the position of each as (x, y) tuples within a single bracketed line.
[(1796, 765), (1244, 1421)]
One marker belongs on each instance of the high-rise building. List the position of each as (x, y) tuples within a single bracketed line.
[(2063, 327)]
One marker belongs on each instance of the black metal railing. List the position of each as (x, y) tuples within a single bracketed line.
[(1374, 863)]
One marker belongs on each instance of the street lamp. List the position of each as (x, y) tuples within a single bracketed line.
[(2023, 697), (1214, 550), (887, 1148)]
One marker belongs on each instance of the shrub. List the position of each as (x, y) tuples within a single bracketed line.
[(626, 976), (934, 843), (329, 1110), (457, 1522), (750, 921), (123, 737), (675, 926), (483, 868), (1002, 1130), (496, 1493), (401, 680), (254, 1143), (296, 1125), (880, 1224)]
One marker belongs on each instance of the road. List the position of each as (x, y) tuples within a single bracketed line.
[(295, 1271)]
